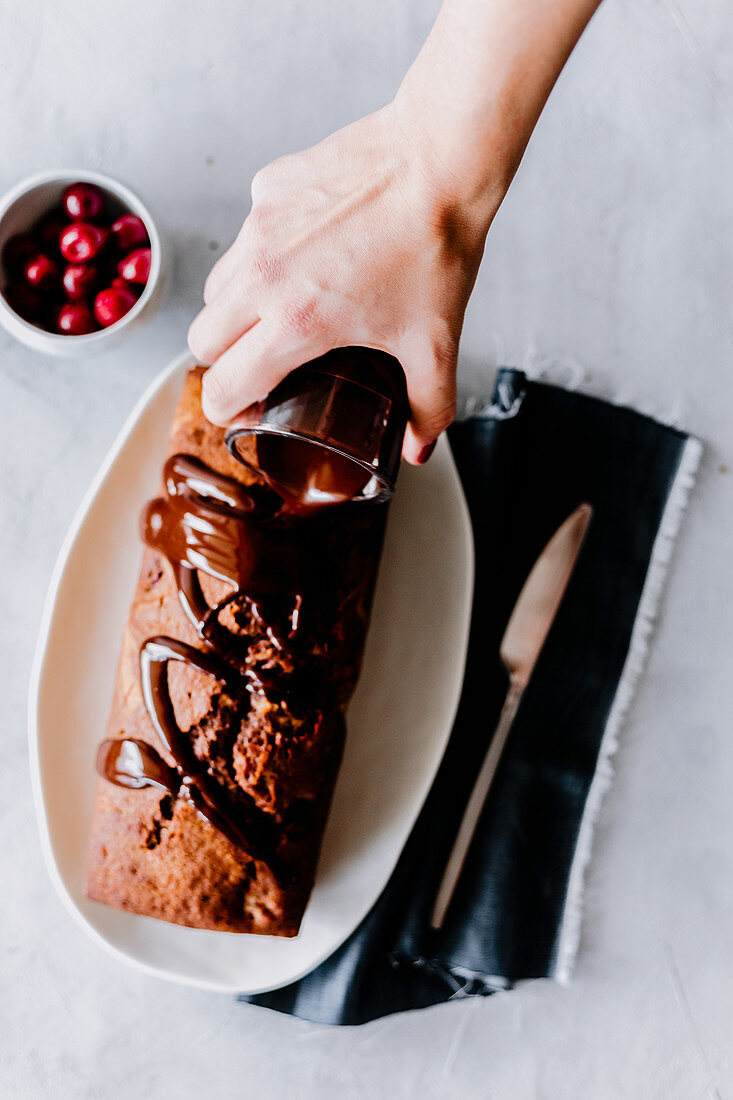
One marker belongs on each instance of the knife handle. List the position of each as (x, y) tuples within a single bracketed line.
[(475, 804)]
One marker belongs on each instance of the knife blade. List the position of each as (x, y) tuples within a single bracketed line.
[(525, 635)]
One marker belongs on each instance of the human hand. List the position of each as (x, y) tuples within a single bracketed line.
[(374, 236), (360, 240)]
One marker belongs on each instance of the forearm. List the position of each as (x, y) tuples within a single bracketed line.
[(479, 84)]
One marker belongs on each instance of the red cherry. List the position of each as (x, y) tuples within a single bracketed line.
[(75, 320), (119, 283), (112, 304), (79, 281), (83, 200), (17, 251), (26, 303), (48, 229), (128, 231), (41, 272), (135, 268), (81, 242)]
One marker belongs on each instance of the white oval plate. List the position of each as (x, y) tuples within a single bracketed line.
[(399, 719)]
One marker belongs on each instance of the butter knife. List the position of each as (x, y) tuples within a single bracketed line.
[(524, 637)]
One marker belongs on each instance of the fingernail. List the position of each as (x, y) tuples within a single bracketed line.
[(426, 452)]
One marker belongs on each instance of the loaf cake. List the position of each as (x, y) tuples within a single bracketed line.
[(226, 731)]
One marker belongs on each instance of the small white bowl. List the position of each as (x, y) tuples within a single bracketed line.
[(28, 201)]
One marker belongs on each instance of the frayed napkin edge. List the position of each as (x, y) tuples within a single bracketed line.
[(568, 373), (647, 612)]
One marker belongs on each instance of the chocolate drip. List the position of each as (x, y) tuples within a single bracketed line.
[(247, 827), (212, 523), (131, 763), (243, 535)]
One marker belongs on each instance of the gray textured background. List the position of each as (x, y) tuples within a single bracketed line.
[(613, 248)]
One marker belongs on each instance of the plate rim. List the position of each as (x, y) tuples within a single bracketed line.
[(39, 657), (178, 363)]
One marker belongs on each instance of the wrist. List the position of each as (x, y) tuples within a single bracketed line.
[(470, 100), (466, 174)]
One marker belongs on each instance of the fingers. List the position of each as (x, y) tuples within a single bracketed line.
[(414, 450), (226, 317), (221, 273), (250, 368), (431, 389)]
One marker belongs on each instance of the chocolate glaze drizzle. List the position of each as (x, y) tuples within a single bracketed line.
[(243, 535), (212, 523), (131, 763)]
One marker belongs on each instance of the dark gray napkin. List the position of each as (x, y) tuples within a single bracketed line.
[(525, 466)]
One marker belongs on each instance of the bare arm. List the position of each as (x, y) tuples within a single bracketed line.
[(375, 235)]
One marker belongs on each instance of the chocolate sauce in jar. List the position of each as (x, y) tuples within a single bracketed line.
[(330, 432), (306, 476)]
